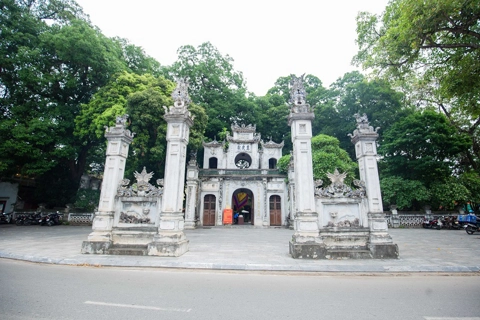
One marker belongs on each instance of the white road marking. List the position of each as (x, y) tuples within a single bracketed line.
[(451, 318), (136, 306)]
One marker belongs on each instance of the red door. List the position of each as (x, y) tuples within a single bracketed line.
[(275, 211), (209, 205)]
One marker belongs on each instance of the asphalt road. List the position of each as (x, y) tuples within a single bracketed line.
[(39, 291)]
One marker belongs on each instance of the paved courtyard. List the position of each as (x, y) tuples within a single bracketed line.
[(247, 248)]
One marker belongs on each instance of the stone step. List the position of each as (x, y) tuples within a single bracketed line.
[(348, 254), (128, 250)]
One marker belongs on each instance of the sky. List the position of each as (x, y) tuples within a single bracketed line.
[(266, 39)]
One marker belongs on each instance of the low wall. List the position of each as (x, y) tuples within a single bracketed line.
[(412, 219), (73, 218)]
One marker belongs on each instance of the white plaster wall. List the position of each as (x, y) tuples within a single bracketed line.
[(252, 151), (214, 153), (269, 153)]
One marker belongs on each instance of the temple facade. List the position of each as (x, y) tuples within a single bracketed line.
[(240, 174)]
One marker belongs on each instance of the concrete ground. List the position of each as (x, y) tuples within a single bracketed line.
[(247, 248)]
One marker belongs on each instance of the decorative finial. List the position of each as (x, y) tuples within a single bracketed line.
[(298, 95), (180, 94)]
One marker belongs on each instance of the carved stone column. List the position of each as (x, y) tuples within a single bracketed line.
[(364, 138), (266, 207), (306, 242), (171, 240), (221, 185), (119, 139), (191, 194)]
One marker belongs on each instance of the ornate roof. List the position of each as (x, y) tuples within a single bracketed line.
[(213, 144), (271, 144), (244, 129)]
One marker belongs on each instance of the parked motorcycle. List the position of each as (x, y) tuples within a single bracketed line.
[(433, 223), (6, 217), (24, 220), (451, 223), (54, 218), (471, 228), (50, 219), (27, 219)]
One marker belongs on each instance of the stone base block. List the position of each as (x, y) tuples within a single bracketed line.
[(384, 251), (307, 250), (96, 247), (129, 250), (190, 225), (168, 249), (335, 254)]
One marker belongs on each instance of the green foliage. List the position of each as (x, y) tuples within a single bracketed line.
[(283, 163), (52, 61), (271, 119), (214, 85), (352, 94), (137, 60), (422, 147), (446, 193), (471, 181), (328, 156), (142, 97), (431, 50), (436, 39), (87, 199), (406, 194)]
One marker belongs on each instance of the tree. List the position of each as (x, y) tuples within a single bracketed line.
[(142, 97), (440, 38), (214, 85), (271, 119), (52, 60), (326, 157), (352, 94), (404, 193), (277, 100), (431, 49), (137, 60), (423, 147)]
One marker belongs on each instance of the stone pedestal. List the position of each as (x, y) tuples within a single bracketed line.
[(170, 241), (306, 243)]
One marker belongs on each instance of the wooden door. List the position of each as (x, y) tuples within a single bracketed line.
[(209, 205), (275, 211)]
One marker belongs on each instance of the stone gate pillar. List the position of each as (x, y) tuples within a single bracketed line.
[(171, 240), (306, 242), (191, 194), (119, 139), (364, 138)]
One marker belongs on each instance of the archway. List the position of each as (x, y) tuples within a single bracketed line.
[(243, 203)]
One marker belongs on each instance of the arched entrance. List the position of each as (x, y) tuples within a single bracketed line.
[(243, 203)]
